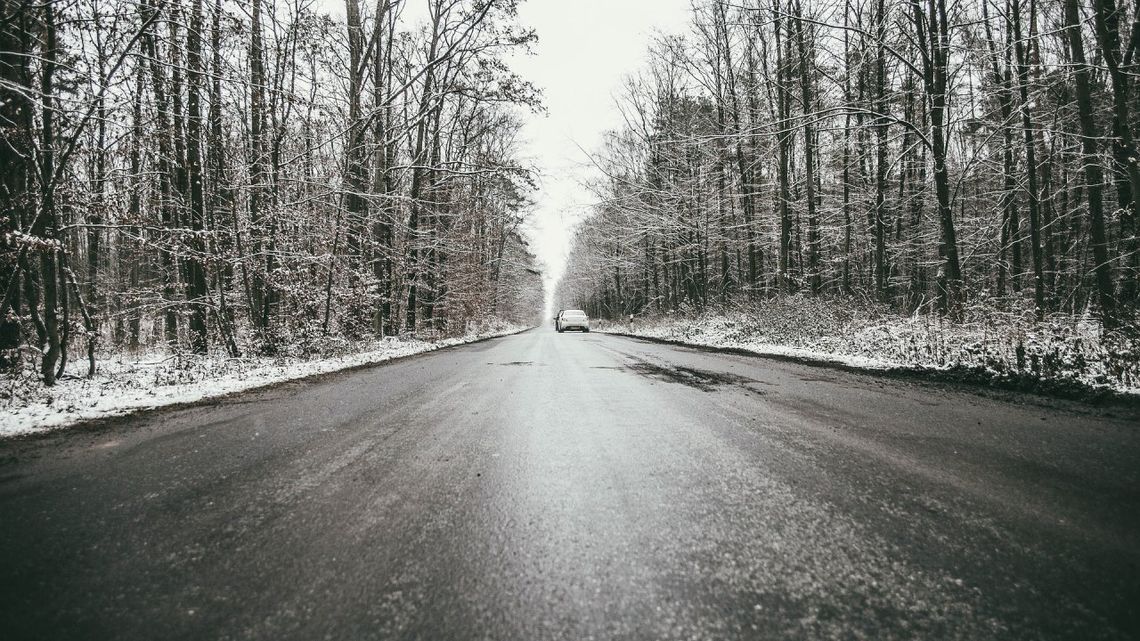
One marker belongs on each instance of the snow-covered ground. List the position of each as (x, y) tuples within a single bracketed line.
[(1059, 350), (125, 384)]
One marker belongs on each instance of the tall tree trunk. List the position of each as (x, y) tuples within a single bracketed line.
[(935, 48), (46, 224), (221, 196), (16, 170), (355, 171), (1094, 177), (1125, 155), (382, 181), (260, 299), (95, 216), (196, 264), (1030, 161), (165, 162), (1011, 222), (881, 127), (848, 230), (744, 170), (806, 64), (784, 133), (134, 212), (419, 158)]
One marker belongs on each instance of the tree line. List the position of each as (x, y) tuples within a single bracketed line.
[(925, 154), (200, 175)]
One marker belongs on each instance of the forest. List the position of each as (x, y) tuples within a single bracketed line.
[(255, 177), (925, 157)]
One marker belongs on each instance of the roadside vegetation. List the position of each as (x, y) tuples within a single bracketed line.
[(199, 181), (1061, 355), (128, 382), (927, 183)]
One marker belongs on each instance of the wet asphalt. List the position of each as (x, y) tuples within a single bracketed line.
[(580, 486)]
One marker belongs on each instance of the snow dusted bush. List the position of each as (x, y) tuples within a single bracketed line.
[(20, 384)]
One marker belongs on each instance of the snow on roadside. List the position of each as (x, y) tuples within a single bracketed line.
[(1060, 350), (123, 385), (710, 335)]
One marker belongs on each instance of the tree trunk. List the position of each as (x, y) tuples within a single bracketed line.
[(45, 226), (1094, 177), (1030, 161), (16, 171), (196, 264), (259, 303), (1126, 157), (165, 191), (784, 133), (881, 127), (935, 48)]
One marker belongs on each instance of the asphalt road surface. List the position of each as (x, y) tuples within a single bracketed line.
[(579, 486)]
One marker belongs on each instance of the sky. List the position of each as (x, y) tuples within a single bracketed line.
[(585, 49)]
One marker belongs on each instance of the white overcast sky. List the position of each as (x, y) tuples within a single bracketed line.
[(585, 49)]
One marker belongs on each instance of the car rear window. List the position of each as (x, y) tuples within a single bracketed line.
[(574, 312)]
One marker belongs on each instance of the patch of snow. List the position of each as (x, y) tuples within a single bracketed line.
[(123, 384), (1061, 348)]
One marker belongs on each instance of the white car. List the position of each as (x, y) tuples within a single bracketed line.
[(572, 319)]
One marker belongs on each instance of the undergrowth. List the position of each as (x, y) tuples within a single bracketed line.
[(997, 343)]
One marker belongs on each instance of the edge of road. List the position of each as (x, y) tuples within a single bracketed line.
[(102, 423), (972, 380)]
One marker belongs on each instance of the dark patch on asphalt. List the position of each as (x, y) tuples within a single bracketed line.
[(704, 380), (1064, 395), (817, 379), (11, 477), (521, 363)]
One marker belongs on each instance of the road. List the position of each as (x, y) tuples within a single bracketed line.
[(579, 486)]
